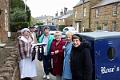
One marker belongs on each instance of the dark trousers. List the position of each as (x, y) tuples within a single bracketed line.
[(66, 79), (46, 64), (27, 78)]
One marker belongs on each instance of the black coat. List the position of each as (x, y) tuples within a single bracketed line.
[(81, 62)]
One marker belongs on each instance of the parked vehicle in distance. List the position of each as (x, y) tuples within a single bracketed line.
[(70, 29), (53, 29)]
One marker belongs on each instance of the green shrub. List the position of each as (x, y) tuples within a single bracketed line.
[(61, 27), (15, 26)]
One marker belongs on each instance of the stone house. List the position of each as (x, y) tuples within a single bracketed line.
[(4, 20), (66, 19), (46, 20), (82, 14), (106, 15), (97, 15)]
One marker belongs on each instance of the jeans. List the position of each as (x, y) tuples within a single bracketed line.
[(46, 62)]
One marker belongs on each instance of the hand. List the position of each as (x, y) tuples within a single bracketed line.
[(57, 51), (52, 53)]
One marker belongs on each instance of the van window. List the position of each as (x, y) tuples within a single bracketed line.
[(111, 53)]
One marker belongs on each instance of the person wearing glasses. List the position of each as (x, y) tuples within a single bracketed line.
[(57, 55)]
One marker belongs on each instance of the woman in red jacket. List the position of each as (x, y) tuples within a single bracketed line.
[(57, 55)]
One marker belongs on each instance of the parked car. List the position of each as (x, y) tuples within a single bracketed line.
[(71, 29), (53, 29)]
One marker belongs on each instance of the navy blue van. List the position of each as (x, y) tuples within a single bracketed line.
[(53, 28), (105, 52)]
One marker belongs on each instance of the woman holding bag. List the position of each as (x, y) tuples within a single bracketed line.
[(26, 65)]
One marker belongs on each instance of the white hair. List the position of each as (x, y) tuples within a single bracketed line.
[(25, 29)]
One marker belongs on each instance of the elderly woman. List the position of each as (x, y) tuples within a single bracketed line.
[(67, 52), (81, 61), (57, 55), (27, 66)]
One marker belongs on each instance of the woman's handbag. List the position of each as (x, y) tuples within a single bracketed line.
[(33, 53), (40, 52)]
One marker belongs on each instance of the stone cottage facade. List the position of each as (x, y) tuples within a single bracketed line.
[(95, 15), (106, 16)]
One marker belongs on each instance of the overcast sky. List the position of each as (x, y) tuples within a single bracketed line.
[(49, 7)]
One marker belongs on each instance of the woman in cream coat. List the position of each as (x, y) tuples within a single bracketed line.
[(26, 65)]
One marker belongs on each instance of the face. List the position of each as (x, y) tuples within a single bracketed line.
[(76, 42), (69, 38), (32, 29), (26, 33), (46, 31), (57, 37)]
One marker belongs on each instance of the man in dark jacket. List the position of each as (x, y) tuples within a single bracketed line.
[(81, 62)]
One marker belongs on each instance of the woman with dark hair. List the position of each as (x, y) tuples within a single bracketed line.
[(81, 62), (47, 39)]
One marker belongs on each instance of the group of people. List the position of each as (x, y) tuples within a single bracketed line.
[(68, 59)]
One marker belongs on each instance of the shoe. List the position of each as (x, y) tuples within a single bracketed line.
[(44, 76), (48, 77)]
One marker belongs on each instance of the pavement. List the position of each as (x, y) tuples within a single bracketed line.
[(40, 72)]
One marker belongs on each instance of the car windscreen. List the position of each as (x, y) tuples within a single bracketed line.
[(53, 28)]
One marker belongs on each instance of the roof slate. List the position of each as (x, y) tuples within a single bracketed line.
[(105, 2), (81, 2)]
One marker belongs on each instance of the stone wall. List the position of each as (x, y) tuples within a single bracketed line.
[(84, 21), (9, 69), (105, 19)]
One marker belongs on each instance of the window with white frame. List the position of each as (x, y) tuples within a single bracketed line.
[(75, 14), (114, 11), (114, 26), (97, 12), (63, 20), (85, 12), (105, 26), (97, 25)]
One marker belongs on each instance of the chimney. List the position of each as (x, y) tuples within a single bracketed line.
[(56, 14), (61, 13), (94, 2), (65, 10)]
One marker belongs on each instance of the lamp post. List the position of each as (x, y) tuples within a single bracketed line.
[(25, 5), (25, 8), (83, 16)]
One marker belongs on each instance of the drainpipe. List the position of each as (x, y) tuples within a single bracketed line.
[(82, 29), (90, 16)]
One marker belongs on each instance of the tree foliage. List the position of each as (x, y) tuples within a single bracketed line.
[(18, 15)]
